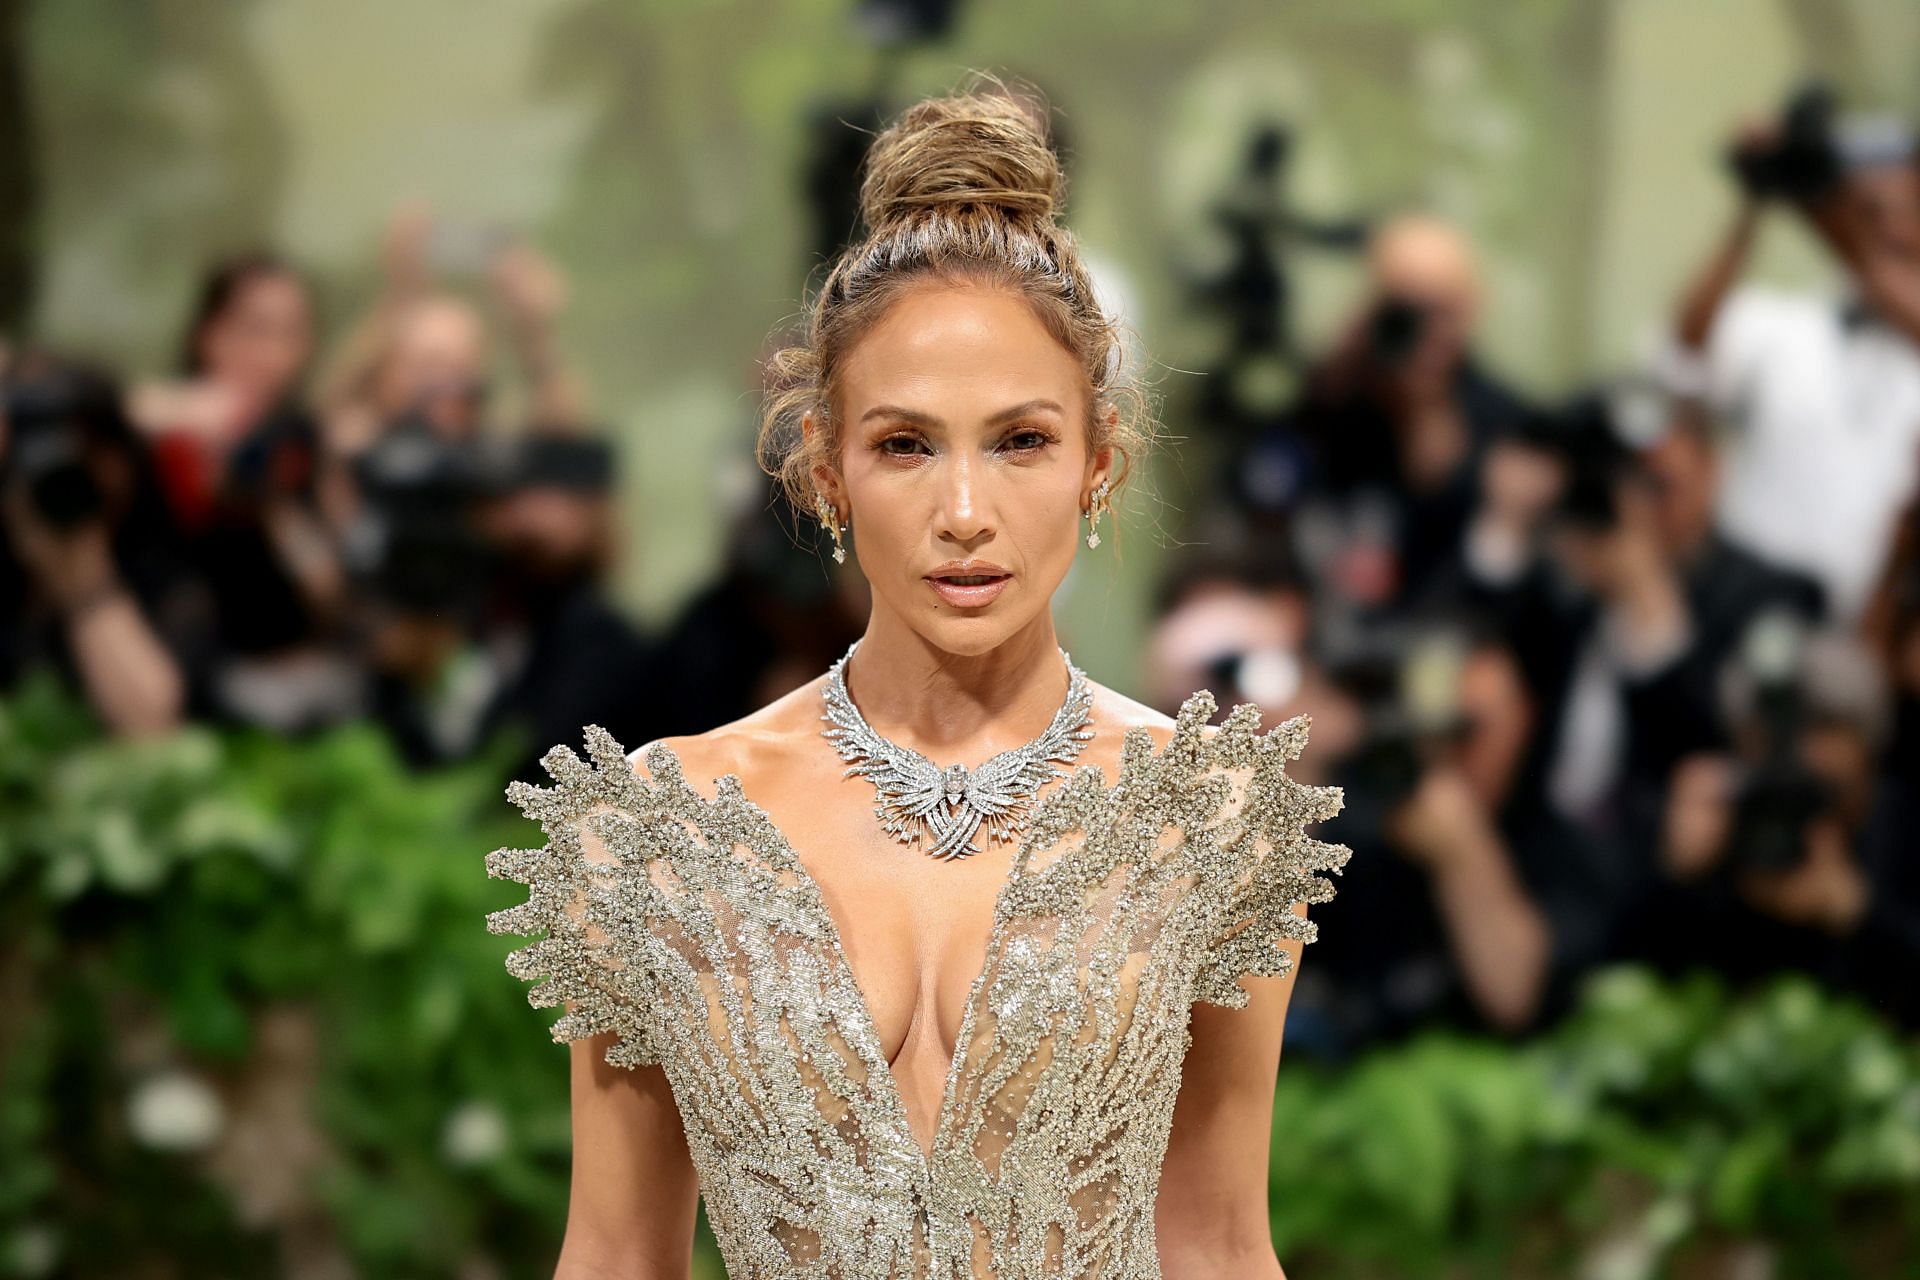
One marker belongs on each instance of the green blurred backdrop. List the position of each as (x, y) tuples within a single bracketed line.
[(655, 149)]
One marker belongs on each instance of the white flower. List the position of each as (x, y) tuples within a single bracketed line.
[(475, 1133), (175, 1111), (33, 1250)]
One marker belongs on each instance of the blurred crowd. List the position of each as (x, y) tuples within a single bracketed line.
[(277, 537), (1629, 674), (1633, 673)]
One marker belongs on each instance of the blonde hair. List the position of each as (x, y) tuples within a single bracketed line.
[(965, 187)]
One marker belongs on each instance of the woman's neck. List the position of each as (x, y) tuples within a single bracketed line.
[(957, 708)]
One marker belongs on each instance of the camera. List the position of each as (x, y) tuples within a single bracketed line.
[(1395, 330), (1580, 436), (1594, 437), (1804, 161), (51, 418), (582, 464), (1406, 678), (416, 543), (1269, 676), (1778, 795), (1252, 289)]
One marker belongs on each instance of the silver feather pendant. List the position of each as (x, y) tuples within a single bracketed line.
[(943, 810)]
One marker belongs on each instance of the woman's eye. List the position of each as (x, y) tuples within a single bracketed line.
[(1027, 441), (900, 446)]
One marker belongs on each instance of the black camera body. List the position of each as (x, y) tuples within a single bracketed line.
[(1582, 437), (1779, 795), (1405, 677), (1804, 162), (48, 431), (1772, 809), (1395, 330), (416, 543)]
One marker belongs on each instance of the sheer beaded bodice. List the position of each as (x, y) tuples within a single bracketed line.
[(691, 929)]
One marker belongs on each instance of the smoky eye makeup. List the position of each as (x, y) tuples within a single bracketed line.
[(1021, 440), (900, 444), (1027, 440)]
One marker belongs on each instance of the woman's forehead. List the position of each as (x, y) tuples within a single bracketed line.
[(982, 349)]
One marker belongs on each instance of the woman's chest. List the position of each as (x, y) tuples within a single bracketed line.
[(913, 929)]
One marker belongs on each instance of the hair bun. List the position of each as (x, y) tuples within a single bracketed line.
[(987, 148)]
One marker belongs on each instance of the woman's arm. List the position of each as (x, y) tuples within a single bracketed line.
[(630, 1212), (631, 1204), (1211, 1215)]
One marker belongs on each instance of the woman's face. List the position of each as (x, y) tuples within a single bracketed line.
[(964, 463), (262, 340)]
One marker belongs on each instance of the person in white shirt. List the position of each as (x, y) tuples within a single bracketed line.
[(1819, 395)]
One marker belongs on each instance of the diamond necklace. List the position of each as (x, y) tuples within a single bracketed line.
[(919, 802)]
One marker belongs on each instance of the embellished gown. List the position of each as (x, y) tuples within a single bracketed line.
[(690, 927)]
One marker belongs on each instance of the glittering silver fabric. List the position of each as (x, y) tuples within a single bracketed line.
[(691, 929)]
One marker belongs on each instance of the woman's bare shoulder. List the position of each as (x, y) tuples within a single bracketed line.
[(744, 747), (1114, 712)]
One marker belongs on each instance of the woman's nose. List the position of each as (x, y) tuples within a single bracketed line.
[(963, 509)]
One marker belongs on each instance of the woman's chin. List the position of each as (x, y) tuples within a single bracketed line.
[(972, 634)]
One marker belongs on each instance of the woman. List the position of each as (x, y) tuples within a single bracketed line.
[(232, 417), (947, 1039), (240, 461)]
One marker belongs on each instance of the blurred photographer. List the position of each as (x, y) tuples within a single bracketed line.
[(563, 655), (1795, 849), (478, 571), (1596, 553), (238, 457), (1892, 628), (420, 575), (424, 355), (91, 579), (1821, 393), (1460, 926), (1399, 416)]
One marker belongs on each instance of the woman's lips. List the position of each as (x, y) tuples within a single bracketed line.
[(977, 590)]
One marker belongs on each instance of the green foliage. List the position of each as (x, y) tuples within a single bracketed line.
[(164, 903), (298, 927), (1658, 1121)]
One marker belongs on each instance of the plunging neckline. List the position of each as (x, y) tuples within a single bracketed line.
[(682, 930), (868, 1032)]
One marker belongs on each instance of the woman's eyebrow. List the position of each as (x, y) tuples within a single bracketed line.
[(905, 415), (929, 420), (1022, 410)]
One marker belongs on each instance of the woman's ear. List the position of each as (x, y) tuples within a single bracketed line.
[(1100, 465), (826, 482), (826, 479), (1099, 470)]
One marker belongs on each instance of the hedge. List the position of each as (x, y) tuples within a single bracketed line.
[(251, 1023)]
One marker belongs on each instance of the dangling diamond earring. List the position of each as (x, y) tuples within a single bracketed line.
[(1098, 505), (836, 527)]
